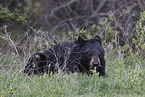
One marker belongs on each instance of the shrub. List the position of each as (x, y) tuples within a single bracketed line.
[(7, 17)]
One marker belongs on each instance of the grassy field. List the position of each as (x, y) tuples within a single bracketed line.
[(125, 72), (125, 77)]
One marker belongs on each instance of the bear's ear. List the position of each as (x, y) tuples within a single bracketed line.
[(97, 38), (80, 41)]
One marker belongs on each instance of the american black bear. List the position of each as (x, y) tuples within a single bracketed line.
[(76, 56)]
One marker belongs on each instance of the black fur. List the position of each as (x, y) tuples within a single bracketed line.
[(72, 57)]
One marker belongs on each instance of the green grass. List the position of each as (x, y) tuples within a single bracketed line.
[(124, 77)]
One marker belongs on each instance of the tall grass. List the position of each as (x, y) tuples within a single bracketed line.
[(125, 76), (125, 70)]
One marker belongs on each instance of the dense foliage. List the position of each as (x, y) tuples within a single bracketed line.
[(54, 14)]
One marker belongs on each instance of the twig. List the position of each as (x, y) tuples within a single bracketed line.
[(11, 40)]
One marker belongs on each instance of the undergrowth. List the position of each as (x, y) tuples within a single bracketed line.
[(124, 77), (125, 68)]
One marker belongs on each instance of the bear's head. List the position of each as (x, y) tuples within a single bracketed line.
[(90, 52)]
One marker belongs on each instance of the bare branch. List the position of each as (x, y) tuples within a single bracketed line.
[(62, 6)]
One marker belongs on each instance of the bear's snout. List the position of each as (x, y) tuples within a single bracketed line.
[(95, 64)]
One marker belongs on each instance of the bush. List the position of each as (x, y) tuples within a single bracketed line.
[(7, 17)]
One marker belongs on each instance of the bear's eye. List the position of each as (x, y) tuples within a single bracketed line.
[(91, 54), (99, 55)]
